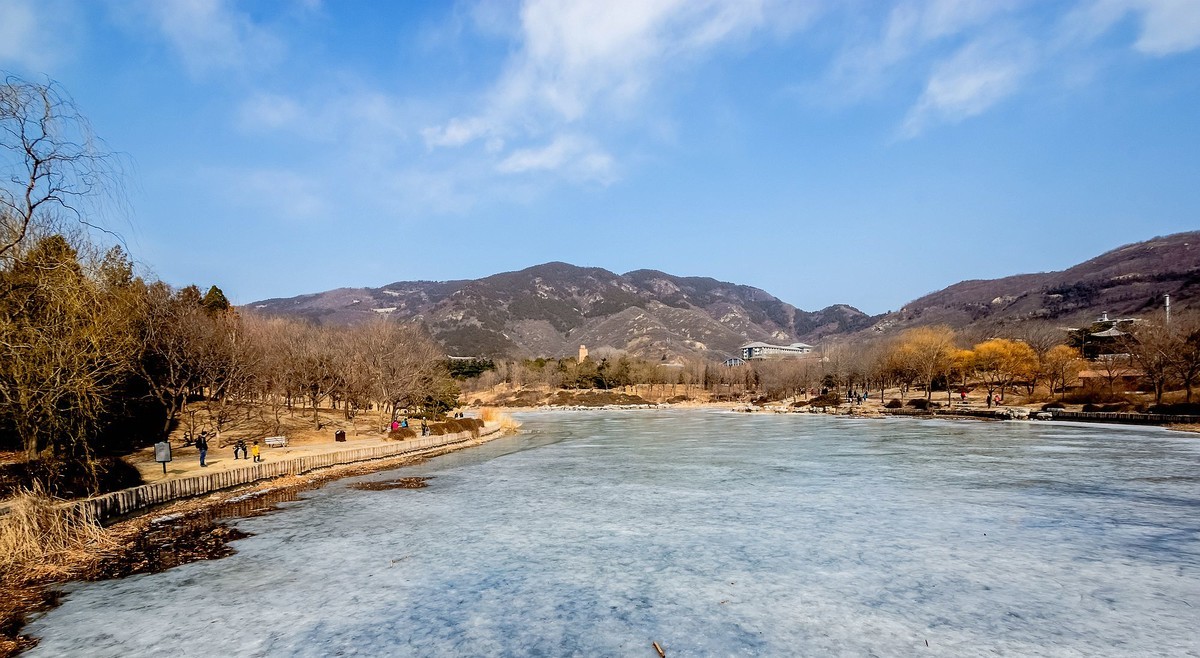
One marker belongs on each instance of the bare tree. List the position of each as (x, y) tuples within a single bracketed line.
[(1153, 345), (50, 162), (1186, 361), (227, 362), (173, 330), (319, 365), (398, 364)]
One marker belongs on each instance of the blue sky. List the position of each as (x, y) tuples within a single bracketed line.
[(854, 152)]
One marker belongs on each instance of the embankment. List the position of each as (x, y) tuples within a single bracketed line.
[(119, 503)]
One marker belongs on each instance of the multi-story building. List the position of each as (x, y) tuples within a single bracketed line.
[(758, 350)]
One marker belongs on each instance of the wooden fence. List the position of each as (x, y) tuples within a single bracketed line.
[(119, 503)]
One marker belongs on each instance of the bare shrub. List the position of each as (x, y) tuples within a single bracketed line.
[(402, 433)]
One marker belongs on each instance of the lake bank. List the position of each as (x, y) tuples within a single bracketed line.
[(192, 527)]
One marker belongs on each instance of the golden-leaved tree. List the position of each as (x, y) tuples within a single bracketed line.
[(999, 362), (929, 352), (1060, 366)]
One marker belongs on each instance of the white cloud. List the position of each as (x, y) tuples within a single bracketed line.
[(581, 61), (212, 35), (1167, 27), (973, 80), (354, 117), (456, 132), (270, 112), (569, 155), (911, 27), (35, 35)]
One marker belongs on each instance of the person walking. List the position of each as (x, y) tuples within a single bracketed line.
[(202, 446), (254, 451)]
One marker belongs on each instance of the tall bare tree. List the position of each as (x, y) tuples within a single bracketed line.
[(1154, 346), (51, 165), (173, 331), (1186, 360)]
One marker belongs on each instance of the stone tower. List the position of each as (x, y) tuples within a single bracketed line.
[(582, 353)]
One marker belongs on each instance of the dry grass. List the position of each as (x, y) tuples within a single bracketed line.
[(41, 539), (493, 415)]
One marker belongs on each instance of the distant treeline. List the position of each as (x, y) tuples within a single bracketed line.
[(1033, 357)]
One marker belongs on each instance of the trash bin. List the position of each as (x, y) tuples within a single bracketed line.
[(339, 435)]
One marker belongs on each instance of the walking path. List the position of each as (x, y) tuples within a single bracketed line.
[(302, 460), (185, 461)]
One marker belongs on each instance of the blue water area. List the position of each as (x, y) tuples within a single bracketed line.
[(711, 533)]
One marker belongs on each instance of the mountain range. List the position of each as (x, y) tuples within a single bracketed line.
[(551, 309)]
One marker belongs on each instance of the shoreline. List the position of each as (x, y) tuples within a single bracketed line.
[(870, 410), (195, 528)]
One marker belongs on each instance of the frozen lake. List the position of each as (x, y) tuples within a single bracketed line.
[(712, 533)]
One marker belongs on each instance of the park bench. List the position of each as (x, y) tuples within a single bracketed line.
[(276, 441)]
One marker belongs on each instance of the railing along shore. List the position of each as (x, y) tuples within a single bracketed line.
[(119, 503)]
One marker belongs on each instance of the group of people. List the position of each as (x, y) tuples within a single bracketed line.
[(398, 424), (238, 447), (241, 446)]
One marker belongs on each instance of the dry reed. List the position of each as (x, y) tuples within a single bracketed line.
[(493, 415), (40, 538)]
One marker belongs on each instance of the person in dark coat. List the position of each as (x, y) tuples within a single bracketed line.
[(202, 446)]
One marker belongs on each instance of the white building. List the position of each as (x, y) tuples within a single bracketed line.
[(757, 350)]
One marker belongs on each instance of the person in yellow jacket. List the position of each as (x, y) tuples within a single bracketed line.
[(254, 452)]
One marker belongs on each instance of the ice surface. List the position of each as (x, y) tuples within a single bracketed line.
[(597, 533)]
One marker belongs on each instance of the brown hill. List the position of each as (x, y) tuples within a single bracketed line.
[(551, 309), (1127, 281)]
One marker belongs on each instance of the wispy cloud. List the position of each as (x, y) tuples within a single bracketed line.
[(974, 79), (571, 155), (581, 62), (1167, 27), (345, 114), (911, 29), (213, 35), (36, 36), (276, 193)]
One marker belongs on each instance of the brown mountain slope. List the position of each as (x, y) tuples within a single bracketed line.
[(1127, 281), (550, 309)]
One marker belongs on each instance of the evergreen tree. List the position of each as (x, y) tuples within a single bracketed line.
[(214, 301)]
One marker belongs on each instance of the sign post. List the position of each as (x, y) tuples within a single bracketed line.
[(162, 454)]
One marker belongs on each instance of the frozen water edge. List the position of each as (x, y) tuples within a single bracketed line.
[(711, 533)]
